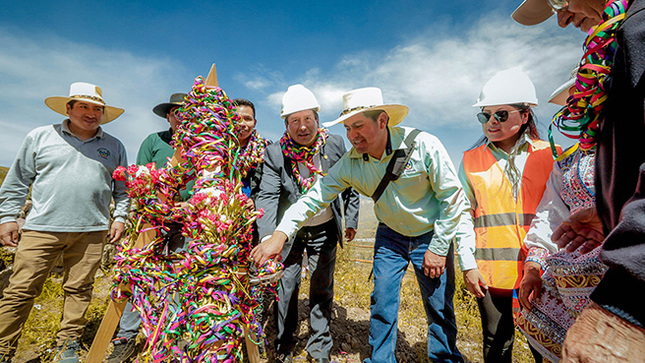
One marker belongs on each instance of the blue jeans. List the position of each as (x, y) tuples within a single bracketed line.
[(392, 254)]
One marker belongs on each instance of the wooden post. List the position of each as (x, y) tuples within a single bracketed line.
[(211, 80), (115, 309)]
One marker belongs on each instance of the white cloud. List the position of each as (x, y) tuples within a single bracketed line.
[(439, 74), (257, 83), (35, 68)]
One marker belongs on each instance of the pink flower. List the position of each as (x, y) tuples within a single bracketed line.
[(119, 173), (198, 198)]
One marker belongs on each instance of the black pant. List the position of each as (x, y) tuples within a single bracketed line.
[(496, 310), (320, 244)]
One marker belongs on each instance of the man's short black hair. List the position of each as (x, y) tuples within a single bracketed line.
[(374, 114), (245, 102), (71, 103), (286, 118)]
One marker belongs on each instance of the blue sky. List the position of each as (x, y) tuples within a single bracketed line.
[(433, 56)]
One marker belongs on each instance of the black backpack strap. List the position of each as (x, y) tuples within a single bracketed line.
[(396, 165)]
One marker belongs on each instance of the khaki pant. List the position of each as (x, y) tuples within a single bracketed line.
[(35, 257), (600, 336)]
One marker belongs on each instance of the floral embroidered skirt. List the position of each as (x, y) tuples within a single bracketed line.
[(567, 283)]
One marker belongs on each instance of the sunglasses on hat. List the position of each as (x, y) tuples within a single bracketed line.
[(501, 116), (558, 4)]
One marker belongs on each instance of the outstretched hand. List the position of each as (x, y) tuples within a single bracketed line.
[(269, 249), (581, 230)]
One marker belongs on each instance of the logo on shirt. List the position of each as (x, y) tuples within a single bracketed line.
[(103, 152)]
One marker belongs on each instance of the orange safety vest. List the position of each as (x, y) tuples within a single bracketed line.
[(501, 221)]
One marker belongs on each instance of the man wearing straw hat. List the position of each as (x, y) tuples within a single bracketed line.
[(419, 203), (69, 169)]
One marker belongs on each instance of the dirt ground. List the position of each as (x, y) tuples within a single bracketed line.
[(349, 327)]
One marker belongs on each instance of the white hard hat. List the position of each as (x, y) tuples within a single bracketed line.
[(508, 87), (298, 98), (560, 95)]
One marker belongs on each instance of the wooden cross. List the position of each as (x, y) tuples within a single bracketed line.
[(115, 309)]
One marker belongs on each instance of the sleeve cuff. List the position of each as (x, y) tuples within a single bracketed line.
[(4, 220), (467, 262), (437, 250), (119, 219), (288, 231), (538, 255)]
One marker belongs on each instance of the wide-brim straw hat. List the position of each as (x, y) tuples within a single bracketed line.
[(85, 92), (532, 12), (368, 99), (162, 109)]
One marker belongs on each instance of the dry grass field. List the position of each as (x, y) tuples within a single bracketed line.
[(350, 327)]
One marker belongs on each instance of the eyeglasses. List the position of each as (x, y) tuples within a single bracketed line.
[(558, 4), (501, 116)]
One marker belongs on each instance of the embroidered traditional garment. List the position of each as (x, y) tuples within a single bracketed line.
[(304, 154), (252, 155), (569, 278)]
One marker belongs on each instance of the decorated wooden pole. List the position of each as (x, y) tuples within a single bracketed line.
[(196, 305)]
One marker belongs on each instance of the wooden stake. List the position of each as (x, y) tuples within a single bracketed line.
[(211, 80), (114, 310)]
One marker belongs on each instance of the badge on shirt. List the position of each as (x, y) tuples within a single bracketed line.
[(103, 153)]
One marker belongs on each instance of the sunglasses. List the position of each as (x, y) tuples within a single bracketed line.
[(501, 116), (558, 4)]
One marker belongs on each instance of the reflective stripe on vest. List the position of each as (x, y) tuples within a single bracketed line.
[(495, 220), (501, 221)]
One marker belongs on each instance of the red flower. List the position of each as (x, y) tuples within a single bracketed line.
[(198, 198), (119, 174)]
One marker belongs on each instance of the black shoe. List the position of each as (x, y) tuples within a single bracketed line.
[(319, 360), (68, 352), (124, 350), (285, 358)]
